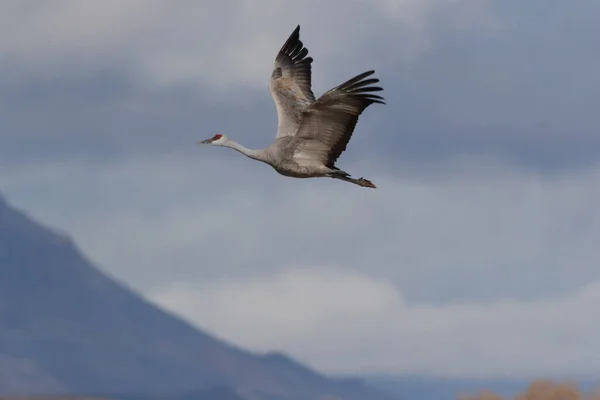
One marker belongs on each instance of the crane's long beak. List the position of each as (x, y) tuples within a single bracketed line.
[(207, 141)]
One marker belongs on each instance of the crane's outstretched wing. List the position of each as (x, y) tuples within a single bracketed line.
[(290, 84), (327, 124)]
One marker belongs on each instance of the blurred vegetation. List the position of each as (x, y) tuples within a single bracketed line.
[(542, 390)]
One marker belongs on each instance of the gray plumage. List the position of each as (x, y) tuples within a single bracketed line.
[(311, 133)]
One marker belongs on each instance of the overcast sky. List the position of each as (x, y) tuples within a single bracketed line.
[(478, 253)]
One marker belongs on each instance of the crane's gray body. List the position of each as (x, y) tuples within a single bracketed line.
[(311, 133), (281, 155)]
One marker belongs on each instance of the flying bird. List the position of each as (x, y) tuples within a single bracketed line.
[(311, 133)]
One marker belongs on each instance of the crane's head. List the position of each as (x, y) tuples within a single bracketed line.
[(217, 140)]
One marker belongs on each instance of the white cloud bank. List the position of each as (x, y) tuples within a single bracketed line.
[(343, 321), (485, 272)]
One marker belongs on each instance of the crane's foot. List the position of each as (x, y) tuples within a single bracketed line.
[(366, 183), (344, 176)]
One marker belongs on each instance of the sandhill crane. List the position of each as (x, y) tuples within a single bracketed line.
[(311, 133)]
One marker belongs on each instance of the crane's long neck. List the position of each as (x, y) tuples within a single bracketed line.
[(254, 154)]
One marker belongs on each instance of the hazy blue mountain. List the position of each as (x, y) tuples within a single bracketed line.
[(67, 327)]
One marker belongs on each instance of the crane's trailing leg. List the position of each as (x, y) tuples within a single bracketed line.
[(344, 176)]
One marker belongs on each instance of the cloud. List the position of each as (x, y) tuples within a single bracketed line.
[(479, 270), (294, 303), (215, 215), (347, 322), (461, 78), (479, 209), (229, 44)]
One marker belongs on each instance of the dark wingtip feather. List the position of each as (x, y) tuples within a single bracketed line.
[(367, 89), (294, 48), (296, 31), (294, 60), (302, 53), (291, 40), (359, 87)]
